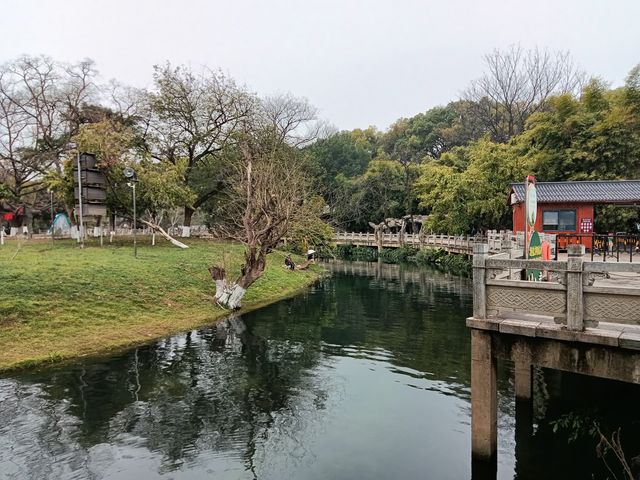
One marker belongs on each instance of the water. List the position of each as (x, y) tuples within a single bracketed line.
[(366, 375)]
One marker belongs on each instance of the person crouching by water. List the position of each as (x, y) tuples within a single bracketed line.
[(288, 263)]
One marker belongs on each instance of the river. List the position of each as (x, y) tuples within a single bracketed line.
[(363, 376)]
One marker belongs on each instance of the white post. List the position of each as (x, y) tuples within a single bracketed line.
[(480, 254), (575, 305)]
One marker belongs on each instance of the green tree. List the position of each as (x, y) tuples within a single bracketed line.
[(466, 191), (593, 137), (192, 117)]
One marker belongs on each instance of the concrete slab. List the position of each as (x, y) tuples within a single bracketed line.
[(556, 332), (629, 340), (519, 327), (599, 336), (484, 324)]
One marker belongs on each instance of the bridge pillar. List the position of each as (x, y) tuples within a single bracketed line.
[(523, 372), (484, 398)]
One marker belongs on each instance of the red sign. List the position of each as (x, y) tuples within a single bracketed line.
[(586, 225)]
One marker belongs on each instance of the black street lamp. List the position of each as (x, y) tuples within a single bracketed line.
[(130, 174)]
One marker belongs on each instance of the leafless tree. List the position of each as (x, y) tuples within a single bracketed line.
[(41, 104), (128, 103), (294, 119), (269, 191), (517, 83), (192, 117)]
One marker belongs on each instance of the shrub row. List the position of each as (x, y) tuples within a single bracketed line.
[(449, 262)]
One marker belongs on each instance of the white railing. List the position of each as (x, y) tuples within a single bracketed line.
[(498, 241)]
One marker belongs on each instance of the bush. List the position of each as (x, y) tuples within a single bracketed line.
[(450, 262), (398, 255), (351, 252)]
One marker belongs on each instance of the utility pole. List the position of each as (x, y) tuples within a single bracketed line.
[(132, 178), (135, 226), (81, 232), (51, 193)]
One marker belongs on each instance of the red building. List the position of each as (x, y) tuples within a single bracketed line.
[(567, 207)]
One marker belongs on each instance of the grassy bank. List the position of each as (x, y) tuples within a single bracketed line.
[(60, 302)]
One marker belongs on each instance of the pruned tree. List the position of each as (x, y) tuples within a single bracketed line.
[(268, 192), (517, 83), (192, 117)]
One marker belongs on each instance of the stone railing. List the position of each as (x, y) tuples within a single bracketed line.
[(498, 241), (570, 293)]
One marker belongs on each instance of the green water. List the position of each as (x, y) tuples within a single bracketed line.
[(364, 376)]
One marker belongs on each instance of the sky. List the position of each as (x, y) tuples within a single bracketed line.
[(359, 62)]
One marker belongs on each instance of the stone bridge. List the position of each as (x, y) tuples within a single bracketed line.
[(583, 318)]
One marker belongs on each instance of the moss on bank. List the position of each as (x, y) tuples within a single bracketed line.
[(60, 302)]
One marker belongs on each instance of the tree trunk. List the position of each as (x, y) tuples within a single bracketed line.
[(230, 294), (161, 231), (186, 225), (112, 226)]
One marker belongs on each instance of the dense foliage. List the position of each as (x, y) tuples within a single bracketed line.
[(455, 165), (452, 163)]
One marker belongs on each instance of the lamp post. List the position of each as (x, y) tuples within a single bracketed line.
[(130, 174)]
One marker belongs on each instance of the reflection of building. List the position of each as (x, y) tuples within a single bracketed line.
[(567, 207)]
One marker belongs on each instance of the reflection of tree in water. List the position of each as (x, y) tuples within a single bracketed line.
[(251, 392), (414, 317), (218, 390)]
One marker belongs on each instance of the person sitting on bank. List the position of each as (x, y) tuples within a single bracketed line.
[(288, 263)]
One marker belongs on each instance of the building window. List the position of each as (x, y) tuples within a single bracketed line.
[(559, 220)]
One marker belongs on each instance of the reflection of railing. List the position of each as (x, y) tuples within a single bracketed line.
[(613, 246)]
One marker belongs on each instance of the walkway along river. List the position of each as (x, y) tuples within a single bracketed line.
[(365, 375)]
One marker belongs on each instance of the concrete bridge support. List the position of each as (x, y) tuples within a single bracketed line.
[(484, 398), (523, 373), (601, 357)]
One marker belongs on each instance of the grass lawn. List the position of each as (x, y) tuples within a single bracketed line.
[(60, 302)]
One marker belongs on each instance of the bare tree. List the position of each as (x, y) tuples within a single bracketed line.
[(516, 84), (294, 119), (193, 117), (41, 104), (269, 191)]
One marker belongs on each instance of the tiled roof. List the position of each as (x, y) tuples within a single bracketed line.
[(597, 191)]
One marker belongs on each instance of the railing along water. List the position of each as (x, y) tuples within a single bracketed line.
[(498, 241), (570, 295)]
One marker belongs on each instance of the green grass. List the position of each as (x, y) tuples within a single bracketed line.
[(60, 302)]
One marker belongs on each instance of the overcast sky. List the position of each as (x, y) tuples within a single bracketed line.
[(360, 62)]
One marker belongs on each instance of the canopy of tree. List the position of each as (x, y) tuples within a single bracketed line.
[(455, 163), (530, 111)]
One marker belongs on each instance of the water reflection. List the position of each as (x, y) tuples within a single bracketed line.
[(366, 375)]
